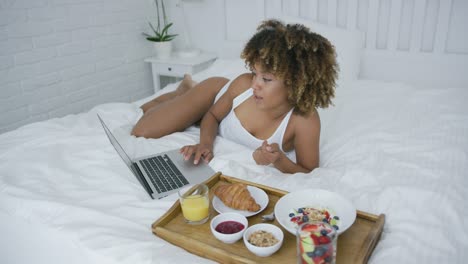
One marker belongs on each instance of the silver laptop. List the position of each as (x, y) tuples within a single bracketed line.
[(164, 173)]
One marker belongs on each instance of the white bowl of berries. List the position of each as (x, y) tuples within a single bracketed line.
[(296, 208), (228, 227)]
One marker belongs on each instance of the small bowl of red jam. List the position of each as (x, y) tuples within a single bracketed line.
[(228, 227)]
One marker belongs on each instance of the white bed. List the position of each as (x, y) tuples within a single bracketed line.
[(388, 147)]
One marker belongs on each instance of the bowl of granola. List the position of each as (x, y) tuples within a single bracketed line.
[(263, 240)]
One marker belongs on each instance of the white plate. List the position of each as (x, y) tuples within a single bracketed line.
[(316, 198), (258, 194)]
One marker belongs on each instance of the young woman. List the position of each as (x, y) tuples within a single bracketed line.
[(271, 110)]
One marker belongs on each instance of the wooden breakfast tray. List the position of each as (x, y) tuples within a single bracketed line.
[(355, 245)]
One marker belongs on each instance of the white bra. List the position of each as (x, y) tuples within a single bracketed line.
[(232, 129)]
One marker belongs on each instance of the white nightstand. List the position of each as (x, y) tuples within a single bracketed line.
[(178, 66)]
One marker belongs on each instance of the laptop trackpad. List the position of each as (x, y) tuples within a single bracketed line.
[(193, 173)]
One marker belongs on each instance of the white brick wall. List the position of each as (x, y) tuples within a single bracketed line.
[(60, 57)]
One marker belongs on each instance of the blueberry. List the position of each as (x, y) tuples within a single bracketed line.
[(305, 218), (325, 220), (336, 227), (336, 217), (300, 210), (291, 214), (323, 232), (319, 251)]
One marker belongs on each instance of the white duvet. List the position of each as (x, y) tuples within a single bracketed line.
[(66, 196)]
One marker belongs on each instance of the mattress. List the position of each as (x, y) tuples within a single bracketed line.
[(388, 147)]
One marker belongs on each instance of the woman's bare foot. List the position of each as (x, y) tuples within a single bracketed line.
[(186, 84)]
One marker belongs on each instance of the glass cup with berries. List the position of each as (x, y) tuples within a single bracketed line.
[(316, 243)]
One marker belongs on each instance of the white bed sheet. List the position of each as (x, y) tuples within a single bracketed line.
[(388, 147)]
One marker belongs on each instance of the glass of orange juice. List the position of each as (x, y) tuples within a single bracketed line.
[(195, 203)]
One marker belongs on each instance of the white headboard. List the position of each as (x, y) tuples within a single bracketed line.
[(415, 41)]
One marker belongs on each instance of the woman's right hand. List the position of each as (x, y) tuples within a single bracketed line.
[(204, 151), (267, 154)]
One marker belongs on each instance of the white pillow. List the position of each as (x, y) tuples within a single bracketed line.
[(348, 45), (229, 68)]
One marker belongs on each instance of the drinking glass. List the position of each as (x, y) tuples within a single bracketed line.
[(195, 203), (316, 243)]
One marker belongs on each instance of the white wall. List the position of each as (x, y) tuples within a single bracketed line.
[(422, 42), (59, 57), (64, 56)]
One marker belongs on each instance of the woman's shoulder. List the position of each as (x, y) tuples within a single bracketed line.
[(240, 84), (302, 128), (307, 122)]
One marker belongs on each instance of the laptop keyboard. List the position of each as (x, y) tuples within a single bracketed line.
[(163, 173)]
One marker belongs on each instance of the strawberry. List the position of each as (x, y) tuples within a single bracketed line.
[(324, 240), (317, 260), (315, 239), (309, 228)]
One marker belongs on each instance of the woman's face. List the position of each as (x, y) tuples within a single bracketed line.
[(269, 91)]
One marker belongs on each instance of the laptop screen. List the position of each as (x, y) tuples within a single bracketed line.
[(116, 145)]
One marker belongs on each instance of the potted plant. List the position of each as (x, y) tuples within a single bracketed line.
[(161, 37)]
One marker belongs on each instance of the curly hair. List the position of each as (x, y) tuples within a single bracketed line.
[(306, 62)]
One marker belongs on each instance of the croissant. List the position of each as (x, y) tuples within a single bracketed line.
[(237, 197)]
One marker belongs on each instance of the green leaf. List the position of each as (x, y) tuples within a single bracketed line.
[(153, 39), (165, 29), (170, 37)]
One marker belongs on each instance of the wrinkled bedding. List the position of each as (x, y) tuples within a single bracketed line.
[(387, 147)]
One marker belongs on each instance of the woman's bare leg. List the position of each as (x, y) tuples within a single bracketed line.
[(184, 86), (179, 111)]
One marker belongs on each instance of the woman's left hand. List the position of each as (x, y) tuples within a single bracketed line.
[(267, 154)]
